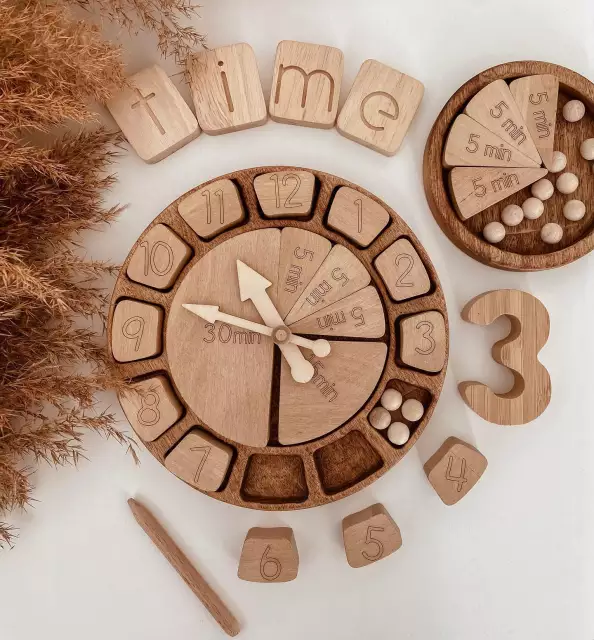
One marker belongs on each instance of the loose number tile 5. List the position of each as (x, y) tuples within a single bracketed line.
[(136, 331), (286, 194)]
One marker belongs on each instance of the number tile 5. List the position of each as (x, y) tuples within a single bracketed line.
[(403, 271), (369, 536), (269, 555)]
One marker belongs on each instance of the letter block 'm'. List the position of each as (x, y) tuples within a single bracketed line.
[(269, 555)]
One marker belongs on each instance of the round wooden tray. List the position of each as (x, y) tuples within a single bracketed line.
[(355, 454), (525, 251)]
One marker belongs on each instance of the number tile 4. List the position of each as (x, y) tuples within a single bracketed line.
[(454, 469), (370, 535), (136, 330), (285, 194), (423, 343), (403, 271), (269, 555)]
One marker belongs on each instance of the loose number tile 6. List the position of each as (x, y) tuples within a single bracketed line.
[(270, 568)]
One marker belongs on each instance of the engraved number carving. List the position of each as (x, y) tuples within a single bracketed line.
[(149, 414), (370, 540), (473, 142), (358, 316), (497, 110), (205, 451), (540, 97), (305, 253), (219, 194), (408, 262), (479, 189), (270, 568), (461, 479), (289, 204), (428, 326), (151, 257), (359, 204), (133, 329)]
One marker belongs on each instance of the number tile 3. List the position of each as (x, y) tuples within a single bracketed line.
[(269, 555), (370, 535)]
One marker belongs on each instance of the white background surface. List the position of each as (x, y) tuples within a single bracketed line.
[(513, 560)]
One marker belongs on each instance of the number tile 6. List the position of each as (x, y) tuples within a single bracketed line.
[(269, 555)]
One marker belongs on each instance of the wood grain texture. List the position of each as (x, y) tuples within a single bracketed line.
[(518, 251), (285, 194), (269, 555), (403, 271), (343, 461), (185, 569)]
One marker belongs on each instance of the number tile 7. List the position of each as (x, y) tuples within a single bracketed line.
[(269, 555)]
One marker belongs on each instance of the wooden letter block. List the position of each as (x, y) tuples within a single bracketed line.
[(153, 116), (158, 259), (494, 108), (357, 216), (454, 469), (151, 407), (200, 460), (226, 89), (403, 271), (306, 84), (469, 144), (369, 536), (285, 194), (136, 331), (423, 341), (536, 97), (269, 555), (380, 107), (213, 209), (475, 189)]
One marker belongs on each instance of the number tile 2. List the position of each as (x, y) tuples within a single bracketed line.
[(454, 469), (269, 555), (151, 407), (423, 341), (158, 258), (200, 460), (136, 330), (357, 216), (285, 194), (403, 271), (212, 209), (370, 535)]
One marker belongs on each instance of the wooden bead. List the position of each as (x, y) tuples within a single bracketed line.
[(269, 555), (398, 433), (559, 162), (587, 149), (512, 215), (543, 189), (412, 410), (533, 208), (567, 183), (380, 418), (574, 110), (494, 232), (391, 399), (551, 233), (574, 210)]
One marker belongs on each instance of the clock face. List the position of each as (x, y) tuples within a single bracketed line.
[(261, 317)]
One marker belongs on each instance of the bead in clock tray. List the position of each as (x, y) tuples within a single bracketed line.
[(533, 208), (512, 215), (398, 433), (380, 418), (551, 233), (574, 210), (543, 189), (494, 232), (559, 162), (412, 410), (567, 183), (574, 110), (391, 399), (587, 149)]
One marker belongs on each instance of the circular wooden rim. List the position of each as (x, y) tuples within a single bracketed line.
[(436, 189), (326, 185)]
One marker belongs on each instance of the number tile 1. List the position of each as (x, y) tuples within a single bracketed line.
[(423, 341), (136, 330), (454, 469), (403, 271), (200, 460), (370, 535), (285, 194), (269, 555), (151, 407)]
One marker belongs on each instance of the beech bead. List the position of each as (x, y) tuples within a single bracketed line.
[(587, 149), (574, 210), (567, 183), (551, 233), (543, 189), (512, 215), (574, 110), (533, 208), (559, 162), (391, 399), (398, 433), (380, 418), (412, 410), (494, 232)]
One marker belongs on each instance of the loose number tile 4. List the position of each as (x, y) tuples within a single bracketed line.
[(285, 194), (136, 331), (269, 555), (403, 271)]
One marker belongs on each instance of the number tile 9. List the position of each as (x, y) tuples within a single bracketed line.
[(136, 330)]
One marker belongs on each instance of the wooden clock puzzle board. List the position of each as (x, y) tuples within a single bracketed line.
[(518, 251), (351, 456)]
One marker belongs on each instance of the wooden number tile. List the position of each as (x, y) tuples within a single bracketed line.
[(536, 97), (269, 555), (285, 194), (360, 315), (212, 209), (494, 108), (454, 469), (403, 271), (158, 258), (423, 341), (152, 115), (469, 144), (306, 84), (136, 330), (301, 254), (357, 216), (340, 274), (475, 189), (151, 407), (380, 107), (370, 535), (200, 460), (341, 384), (226, 89)]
